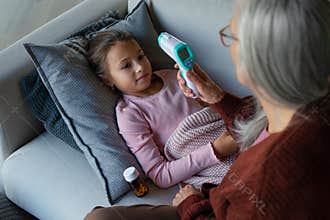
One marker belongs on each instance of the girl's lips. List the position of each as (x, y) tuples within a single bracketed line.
[(142, 77)]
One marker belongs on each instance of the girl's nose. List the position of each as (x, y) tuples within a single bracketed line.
[(138, 68)]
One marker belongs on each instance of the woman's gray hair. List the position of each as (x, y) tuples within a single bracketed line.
[(284, 48)]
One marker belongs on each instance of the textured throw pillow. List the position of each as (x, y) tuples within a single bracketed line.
[(36, 95), (44, 109), (107, 19), (87, 107)]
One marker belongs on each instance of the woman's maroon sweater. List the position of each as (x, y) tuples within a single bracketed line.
[(285, 176)]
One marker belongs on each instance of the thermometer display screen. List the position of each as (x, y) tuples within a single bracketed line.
[(183, 54)]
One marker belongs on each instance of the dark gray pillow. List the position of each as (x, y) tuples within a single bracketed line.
[(36, 95), (44, 109), (107, 19), (87, 107)]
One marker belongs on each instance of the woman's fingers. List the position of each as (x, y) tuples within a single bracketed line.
[(180, 79), (175, 201), (197, 69), (184, 193), (209, 91), (197, 81), (182, 84)]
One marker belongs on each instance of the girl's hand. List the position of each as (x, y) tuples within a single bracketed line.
[(225, 145), (184, 193), (208, 90)]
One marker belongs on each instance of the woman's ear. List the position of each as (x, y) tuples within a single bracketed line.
[(105, 80)]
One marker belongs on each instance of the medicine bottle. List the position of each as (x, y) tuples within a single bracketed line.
[(132, 176)]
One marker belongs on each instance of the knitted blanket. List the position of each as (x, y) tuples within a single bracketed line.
[(196, 131)]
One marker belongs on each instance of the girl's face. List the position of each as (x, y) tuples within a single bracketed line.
[(129, 69)]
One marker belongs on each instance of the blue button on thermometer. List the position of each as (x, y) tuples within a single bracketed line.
[(181, 53)]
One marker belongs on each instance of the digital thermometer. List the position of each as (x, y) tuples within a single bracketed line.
[(181, 53)]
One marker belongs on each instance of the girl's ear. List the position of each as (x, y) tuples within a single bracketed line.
[(105, 80)]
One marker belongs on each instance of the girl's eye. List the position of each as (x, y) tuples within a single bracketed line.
[(140, 57), (127, 65)]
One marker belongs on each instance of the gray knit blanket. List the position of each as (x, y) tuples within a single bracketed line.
[(196, 131)]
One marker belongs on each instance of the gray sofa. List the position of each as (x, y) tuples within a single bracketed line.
[(39, 172)]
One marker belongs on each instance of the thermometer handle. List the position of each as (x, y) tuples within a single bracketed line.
[(189, 84)]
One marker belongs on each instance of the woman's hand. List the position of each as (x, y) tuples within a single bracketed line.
[(184, 193), (208, 90), (225, 145)]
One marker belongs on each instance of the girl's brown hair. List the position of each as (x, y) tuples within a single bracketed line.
[(100, 45)]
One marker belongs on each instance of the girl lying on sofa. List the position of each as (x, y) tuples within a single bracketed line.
[(151, 108)]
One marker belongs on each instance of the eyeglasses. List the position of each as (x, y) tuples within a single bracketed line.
[(226, 36)]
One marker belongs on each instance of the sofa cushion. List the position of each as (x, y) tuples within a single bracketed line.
[(58, 183)]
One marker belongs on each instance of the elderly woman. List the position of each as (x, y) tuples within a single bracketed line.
[(281, 50)]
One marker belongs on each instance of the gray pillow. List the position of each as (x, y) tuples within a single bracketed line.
[(44, 109), (87, 107), (36, 95), (107, 19)]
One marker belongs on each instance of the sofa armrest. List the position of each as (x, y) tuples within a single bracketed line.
[(17, 125)]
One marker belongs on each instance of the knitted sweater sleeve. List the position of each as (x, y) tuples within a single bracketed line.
[(195, 207)]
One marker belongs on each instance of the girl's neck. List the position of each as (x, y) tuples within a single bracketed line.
[(155, 86)]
